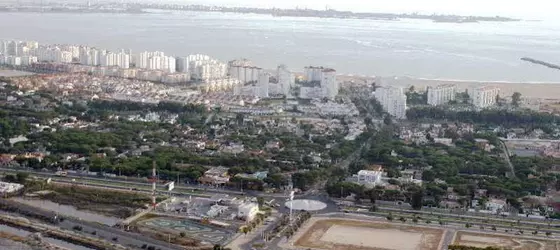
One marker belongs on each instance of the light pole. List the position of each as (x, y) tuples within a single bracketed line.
[(291, 205)]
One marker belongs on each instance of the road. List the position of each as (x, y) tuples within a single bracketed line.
[(506, 155), (101, 231), (142, 185)]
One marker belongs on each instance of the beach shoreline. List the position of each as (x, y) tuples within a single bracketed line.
[(532, 90)]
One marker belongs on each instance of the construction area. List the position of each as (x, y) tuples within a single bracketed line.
[(196, 221), (349, 234), (504, 241)]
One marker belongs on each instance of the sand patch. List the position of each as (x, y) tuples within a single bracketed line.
[(504, 241), (372, 237), (346, 234)]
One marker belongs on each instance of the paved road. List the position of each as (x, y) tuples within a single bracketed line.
[(506, 156), (102, 231)]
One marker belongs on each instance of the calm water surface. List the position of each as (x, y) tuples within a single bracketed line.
[(422, 49)]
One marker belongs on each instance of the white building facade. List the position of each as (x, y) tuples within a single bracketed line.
[(313, 74), (441, 94), (247, 211), (286, 79), (393, 101), (262, 85), (369, 177), (329, 83), (483, 97)]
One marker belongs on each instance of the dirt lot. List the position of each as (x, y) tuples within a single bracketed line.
[(104, 201), (505, 241), (341, 234)]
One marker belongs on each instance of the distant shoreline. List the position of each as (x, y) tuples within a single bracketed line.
[(140, 8), (537, 90)]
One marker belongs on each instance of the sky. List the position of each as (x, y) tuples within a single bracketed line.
[(529, 9)]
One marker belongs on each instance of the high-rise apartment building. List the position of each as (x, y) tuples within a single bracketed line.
[(485, 96), (286, 79), (393, 101), (262, 85), (441, 94), (329, 85)]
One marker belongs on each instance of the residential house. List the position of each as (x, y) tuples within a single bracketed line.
[(496, 205), (215, 176)]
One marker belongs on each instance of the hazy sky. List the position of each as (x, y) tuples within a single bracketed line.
[(517, 8)]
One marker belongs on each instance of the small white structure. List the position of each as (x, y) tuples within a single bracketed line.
[(216, 210), (247, 211), (494, 205), (7, 187), (369, 177)]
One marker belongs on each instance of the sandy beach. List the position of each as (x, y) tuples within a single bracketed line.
[(533, 90), (528, 90)]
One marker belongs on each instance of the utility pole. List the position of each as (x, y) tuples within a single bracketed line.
[(291, 205), (154, 180)]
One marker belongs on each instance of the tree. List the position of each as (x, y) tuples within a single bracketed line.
[(245, 230), (390, 217), (428, 175), (260, 201), (182, 234), (516, 99), (417, 198), (21, 177), (387, 120), (10, 178)]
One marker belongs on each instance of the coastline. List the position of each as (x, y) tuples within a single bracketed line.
[(531, 90)]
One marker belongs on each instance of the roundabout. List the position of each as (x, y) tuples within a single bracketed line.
[(307, 205)]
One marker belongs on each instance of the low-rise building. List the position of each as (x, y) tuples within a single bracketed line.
[(247, 211), (9, 188), (215, 176), (369, 177)]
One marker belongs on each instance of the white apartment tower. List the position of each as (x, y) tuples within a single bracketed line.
[(286, 79), (441, 94), (393, 101), (262, 85), (4, 48), (329, 85), (313, 74), (483, 97)]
